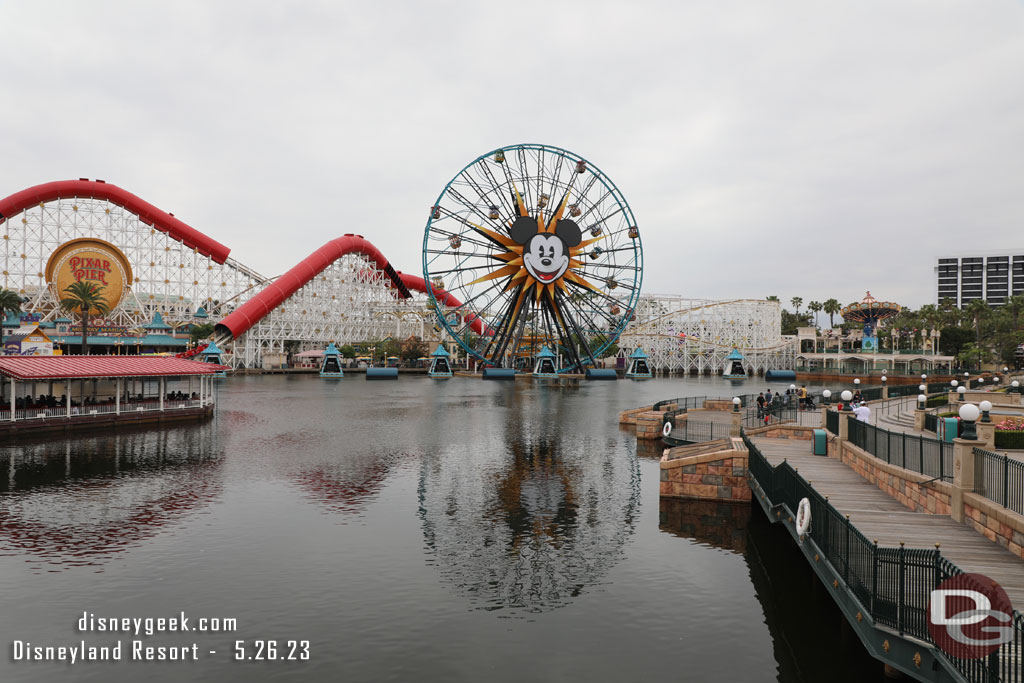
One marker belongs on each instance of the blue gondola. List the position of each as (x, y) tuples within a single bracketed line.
[(212, 354), (330, 365), (440, 368), (734, 366), (545, 364), (639, 367)]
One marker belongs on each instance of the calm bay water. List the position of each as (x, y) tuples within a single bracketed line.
[(410, 531)]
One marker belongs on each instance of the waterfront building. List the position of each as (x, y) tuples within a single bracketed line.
[(992, 277)]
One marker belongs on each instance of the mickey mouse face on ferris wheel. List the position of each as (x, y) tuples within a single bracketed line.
[(545, 254)]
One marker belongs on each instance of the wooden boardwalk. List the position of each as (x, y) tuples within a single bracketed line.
[(879, 516)]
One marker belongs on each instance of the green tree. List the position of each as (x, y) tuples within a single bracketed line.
[(412, 349), (815, 308), (347, 351), (977, 311), (797, 303), (831, 306), (85, 297), (953, 340), (201, 331), (10, 302), (791, 321), (772, 298)]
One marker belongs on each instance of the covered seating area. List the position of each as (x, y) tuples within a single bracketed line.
[(40, 393)]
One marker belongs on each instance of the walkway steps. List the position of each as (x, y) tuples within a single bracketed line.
[(879, 516)]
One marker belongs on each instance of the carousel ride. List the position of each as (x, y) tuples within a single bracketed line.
[(532, 247), (870, 313)]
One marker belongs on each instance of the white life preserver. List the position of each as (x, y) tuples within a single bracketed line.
[(803, 517), (667, 429)]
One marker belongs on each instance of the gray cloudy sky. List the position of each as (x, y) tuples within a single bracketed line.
[(789, 147)]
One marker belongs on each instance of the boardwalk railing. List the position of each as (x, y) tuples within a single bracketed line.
[(98, 409), (697, 432), (893, 585), (1000, 479), (921, 454), (832, 421)]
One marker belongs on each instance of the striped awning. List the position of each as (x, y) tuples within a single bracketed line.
[(99, 367)]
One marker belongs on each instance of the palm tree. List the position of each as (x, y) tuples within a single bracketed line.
[(797, 303), (815, 308), (977, 309), (831, 307), (1014, 306), (85, 297), (10, 302)]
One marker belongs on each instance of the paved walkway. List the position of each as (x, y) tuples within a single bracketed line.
[(879, 516)]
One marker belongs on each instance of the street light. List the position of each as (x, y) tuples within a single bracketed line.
[(953, 383), (961, 391), (985, 406), (847, 397), (884, 378), (856, 382), (969, 414), (827, 395), (1014, 385), (924, 376), (736, 404), (921, 400), (922, 388)]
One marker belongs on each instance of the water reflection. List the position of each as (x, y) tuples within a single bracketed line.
[(533, 513), (78, 502), (712, 523)]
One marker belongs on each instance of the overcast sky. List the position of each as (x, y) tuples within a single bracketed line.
[(812, 148)]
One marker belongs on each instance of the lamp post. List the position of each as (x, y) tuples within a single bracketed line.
[(736, 404), (847, 396), (923, 388), (961, 391), (885, 387), (827, 395), (969, 414), (967, 379), (985, 407), (1014, 386)]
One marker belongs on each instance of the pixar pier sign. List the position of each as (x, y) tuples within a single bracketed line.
[(90, 260)]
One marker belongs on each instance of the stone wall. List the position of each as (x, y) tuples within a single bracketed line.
[(628, 417), (995, 522), (906, 487), (720, 475)]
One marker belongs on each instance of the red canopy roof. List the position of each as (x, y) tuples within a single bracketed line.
[(88, 367)]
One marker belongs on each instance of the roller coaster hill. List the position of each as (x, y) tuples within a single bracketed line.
[(347, 291)]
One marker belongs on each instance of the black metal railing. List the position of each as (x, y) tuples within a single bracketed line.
[(832, 421), (1000, 479), (917, 453), (697, 432), (931, 422), (892, 585)]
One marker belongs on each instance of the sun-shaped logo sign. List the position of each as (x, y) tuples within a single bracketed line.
[(540, 255)]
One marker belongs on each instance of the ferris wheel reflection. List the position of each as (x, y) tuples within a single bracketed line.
[(531, 521)]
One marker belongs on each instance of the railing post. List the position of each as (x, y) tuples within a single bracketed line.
[(846, 554), (874, 576), (1006, 481), (963, 475), (903, 587), (117, 400), (14, 415)]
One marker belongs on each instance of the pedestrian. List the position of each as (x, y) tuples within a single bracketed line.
[(760, 405)]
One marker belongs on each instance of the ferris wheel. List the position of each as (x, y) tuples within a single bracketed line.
[(531, 246)]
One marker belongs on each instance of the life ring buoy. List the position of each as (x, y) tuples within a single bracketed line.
[(803, 517), (667, 429)]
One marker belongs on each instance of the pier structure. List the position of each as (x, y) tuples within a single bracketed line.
[(892, 515), (41, 394)]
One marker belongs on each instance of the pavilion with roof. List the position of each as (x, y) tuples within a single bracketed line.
[(45, 393)]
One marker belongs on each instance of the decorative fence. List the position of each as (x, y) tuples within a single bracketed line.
[(1000, 479), (96, 409), (921, 454), (893, 585), (697, 432), (832, 421)]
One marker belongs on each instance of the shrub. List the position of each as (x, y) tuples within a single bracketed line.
[(1009, 439)]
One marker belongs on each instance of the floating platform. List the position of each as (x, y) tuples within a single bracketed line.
[(381, 373), (499, 373), (601, 373), (781, 375)]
